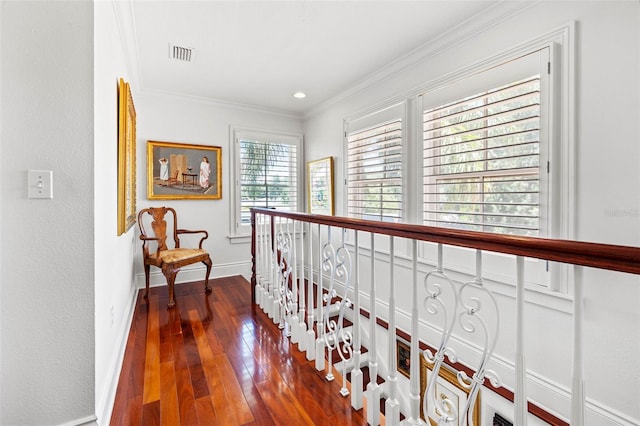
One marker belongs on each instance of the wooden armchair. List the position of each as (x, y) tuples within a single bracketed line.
[(170, 260)]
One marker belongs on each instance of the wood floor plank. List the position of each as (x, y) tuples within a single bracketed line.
[(206, 415), (152, 358), (283, 403), (151, 414), (169, 408), (186, 398), (132, 413), (218, 360), (220, 398), (233, 390)]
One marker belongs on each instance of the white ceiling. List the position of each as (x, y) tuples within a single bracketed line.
[(257, 53)]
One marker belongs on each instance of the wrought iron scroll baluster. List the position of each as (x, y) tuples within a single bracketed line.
[(442, 301), (329, 325), (470, 317), (344, 336)]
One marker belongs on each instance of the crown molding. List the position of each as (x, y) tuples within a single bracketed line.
[(465, 30), (220, 103), (125, 23)]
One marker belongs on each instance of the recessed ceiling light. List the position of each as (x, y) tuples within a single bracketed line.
[(299, 95)]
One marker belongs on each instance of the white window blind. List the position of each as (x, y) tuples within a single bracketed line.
[(481, 163), (374, 172), (268, 176)]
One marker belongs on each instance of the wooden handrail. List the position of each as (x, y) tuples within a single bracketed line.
[(597, 255)]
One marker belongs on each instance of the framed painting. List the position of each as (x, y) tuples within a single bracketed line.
[(177, 171), (403, 358), (126, 158), (320, 186), (447, 387)]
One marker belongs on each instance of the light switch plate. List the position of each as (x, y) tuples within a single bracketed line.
[(40, 184)]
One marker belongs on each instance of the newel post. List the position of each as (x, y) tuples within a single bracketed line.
[(253, 257)]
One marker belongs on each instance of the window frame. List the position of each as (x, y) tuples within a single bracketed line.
[(378, 116), (501, 82), (558, 122), (241, 232)]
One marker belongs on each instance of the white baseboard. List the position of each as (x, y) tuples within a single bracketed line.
[(104, 406), (89, 420), (196, 273)]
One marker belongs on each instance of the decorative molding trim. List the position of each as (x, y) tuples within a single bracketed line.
[(89, 420), (196, 273), (104, 406), (126, 25), (467, 29), (220, 103)]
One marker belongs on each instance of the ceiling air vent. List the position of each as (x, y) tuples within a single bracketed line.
[(181, 53)]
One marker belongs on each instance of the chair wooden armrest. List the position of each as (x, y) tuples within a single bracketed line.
[(188, 231)]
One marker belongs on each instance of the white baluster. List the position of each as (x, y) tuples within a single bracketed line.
[(319, 323), (263, 264), (392, 406), (520, 397), (293, 323), (373, 389), (311, 335), (356, 374), (577, 386), (266, 262), (277, 307), (274, 270), (258, 254), (414, 372), (302, 325)]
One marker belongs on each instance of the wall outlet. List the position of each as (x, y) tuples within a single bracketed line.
[(40, 184)]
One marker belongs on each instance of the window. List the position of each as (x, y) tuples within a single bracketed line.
[(374, 171), (482, 159), (266, 174)]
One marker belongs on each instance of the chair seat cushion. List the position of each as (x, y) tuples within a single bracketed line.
[(178, 254)]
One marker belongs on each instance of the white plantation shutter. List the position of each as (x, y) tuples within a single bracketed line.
[(374, 172), (481, 161), (268, 176)]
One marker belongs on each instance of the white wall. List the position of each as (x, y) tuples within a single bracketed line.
[(606, 178), (115, 287), (47, 264), (192, 121)]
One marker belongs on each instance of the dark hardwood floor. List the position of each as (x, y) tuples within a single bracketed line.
[(214, 360)]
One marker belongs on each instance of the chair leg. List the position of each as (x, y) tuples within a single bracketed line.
[(170, 274), (207, 263), (146, 280)]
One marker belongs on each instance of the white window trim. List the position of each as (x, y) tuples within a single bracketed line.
[(561, 133), (370, 117), (561, 43), (562, 130), (239, 232)]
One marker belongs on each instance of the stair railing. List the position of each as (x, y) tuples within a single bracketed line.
[(472, 306)]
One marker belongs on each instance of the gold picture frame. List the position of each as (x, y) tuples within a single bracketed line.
[(449, 386), (126, 158), (178, 171), (320, 186), (403, 358)]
